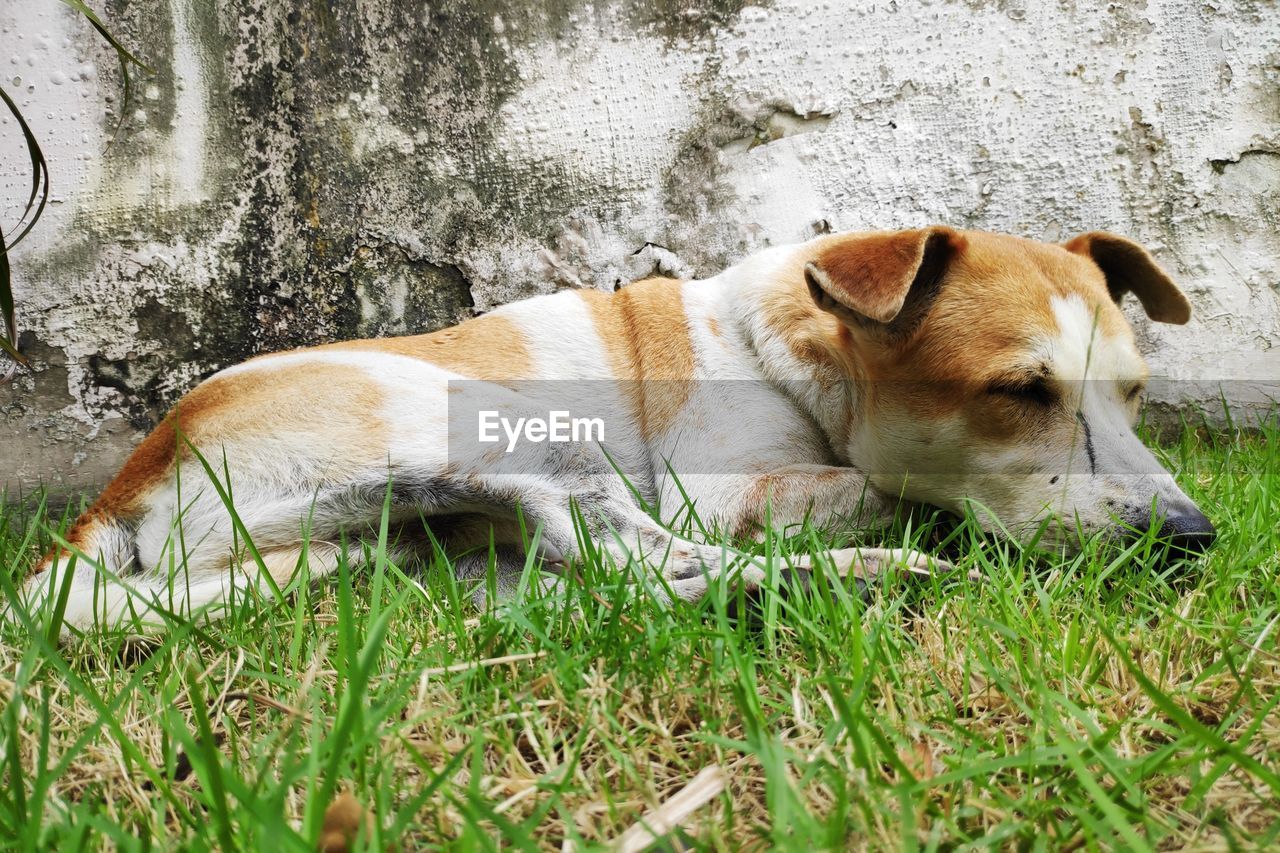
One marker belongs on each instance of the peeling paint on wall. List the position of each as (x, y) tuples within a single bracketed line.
[(296, 173)]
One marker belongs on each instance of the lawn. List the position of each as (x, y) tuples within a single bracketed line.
[(1097, 701)]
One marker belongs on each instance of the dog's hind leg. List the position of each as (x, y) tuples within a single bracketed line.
[(146, 600)]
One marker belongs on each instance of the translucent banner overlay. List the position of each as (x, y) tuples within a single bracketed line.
[(746, 425)]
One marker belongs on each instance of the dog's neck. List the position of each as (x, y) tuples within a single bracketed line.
[(801, 349)]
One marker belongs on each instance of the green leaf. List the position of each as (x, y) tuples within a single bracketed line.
[(36, 200), (39, 171), (123, 56), (39, 196), (9, 339)]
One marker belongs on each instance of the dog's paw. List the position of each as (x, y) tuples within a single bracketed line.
[(870, 563), (793, 582)]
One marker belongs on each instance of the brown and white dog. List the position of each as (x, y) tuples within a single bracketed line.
[(826, 380)]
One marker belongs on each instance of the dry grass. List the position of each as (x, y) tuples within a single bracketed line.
[(1096, 701)]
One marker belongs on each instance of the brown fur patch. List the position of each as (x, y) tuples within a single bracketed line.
[(611, 327), (994, 301), (645, 331), (490, 347), (814, 336), (997, 301), (998, 298), (336, 406), (872, 274), (1130, 269), (336, 402)]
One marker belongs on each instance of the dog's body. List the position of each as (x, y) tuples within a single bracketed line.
[(825, 380)]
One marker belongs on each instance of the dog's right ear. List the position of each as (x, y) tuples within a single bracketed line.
[(884, 278), (1129, 268)]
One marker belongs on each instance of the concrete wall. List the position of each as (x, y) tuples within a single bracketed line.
[(295, 172)]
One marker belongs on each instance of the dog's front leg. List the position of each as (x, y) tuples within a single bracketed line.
[(600, 516), (827, 497), (783, 498), (671, 565)]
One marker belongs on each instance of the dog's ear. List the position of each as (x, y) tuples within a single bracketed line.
[(1130, 269), (883, 278)]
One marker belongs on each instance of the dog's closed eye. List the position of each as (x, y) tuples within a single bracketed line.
[(1035, 391)]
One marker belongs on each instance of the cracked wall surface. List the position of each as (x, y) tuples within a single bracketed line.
[(293, 173)]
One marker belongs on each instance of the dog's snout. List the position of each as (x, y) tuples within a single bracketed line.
[(1188, 531)]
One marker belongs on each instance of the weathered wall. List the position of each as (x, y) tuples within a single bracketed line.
[(298, 172)]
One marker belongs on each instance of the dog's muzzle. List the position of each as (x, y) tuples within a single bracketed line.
[(1186, 531)]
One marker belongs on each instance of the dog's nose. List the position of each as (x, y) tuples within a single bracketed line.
[(1187, 532)]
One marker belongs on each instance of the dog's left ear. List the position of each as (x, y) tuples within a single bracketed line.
[(1130, 269), (882, 279)]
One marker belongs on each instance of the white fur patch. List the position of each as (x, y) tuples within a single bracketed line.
[(1082, 350)]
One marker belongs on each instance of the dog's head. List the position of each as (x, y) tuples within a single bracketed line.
[(999, 373)]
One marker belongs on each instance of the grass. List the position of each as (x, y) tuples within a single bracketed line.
[(1097, 701)]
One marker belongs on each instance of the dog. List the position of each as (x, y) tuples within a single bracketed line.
[(825, 381)]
